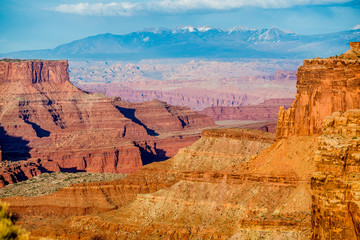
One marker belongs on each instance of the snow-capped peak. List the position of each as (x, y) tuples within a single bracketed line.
[(189, 28), (357, 27), (204, 28)]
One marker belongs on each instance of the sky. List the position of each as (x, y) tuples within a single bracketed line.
[(43, 24)]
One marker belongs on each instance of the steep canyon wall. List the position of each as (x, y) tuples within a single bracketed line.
[(335, 184), (323, 87), (43, 116)]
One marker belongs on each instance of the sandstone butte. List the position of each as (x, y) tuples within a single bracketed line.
[(323, 86), (232, 183), (47, 124)]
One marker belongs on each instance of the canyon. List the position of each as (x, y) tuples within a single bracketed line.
[(196, 84), (299, 183), (47, 121), (267, 110)]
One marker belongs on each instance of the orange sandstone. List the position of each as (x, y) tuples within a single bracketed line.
[(323, 87)]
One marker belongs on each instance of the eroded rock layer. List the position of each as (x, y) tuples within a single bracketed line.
[(214, 188), (335, 185), (323, 87), (230, 184), (43, 116), (268, 110)]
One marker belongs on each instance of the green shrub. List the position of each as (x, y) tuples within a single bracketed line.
[(8, 229)]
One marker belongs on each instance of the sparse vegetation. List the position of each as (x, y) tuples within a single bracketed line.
[(50, 182), (11, 60)]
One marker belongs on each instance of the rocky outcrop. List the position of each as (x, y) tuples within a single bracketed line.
[(34, 71), (213, 188), (43, 116), (353, 53), (162, 117), (12, 172), (206, 190), (323, 87), (231, 183), (335, 184), (268, 110)]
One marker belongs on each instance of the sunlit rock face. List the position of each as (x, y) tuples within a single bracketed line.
[(323, 87), (231, 183), (335, 184), (43, 116)]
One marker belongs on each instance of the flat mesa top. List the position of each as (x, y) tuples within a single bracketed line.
[(28, 60)]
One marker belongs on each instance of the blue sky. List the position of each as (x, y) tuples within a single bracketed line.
[(40, 24)]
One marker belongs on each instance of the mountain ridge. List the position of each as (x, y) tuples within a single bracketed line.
[(204, 41)]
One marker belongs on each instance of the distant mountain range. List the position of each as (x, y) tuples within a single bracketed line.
[(204, 42)]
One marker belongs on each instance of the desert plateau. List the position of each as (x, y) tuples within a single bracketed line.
[(232, 183), (179, 120)]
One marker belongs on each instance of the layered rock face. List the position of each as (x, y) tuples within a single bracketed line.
[(196, 99), (335, 184), (43, 116), (213, 188), (11, 172), (323, 87), (200, 166), (163, 117), (230, 184), (268, 110)]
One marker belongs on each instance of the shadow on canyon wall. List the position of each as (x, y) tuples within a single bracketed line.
[(40, 132), (130, 114), (149, 156), (13, 148)]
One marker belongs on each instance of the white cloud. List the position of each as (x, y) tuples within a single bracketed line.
[(179, 6), (100, 9)]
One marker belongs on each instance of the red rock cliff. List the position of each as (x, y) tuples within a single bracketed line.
[(35, 71), (323, 87), (42, 115)]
